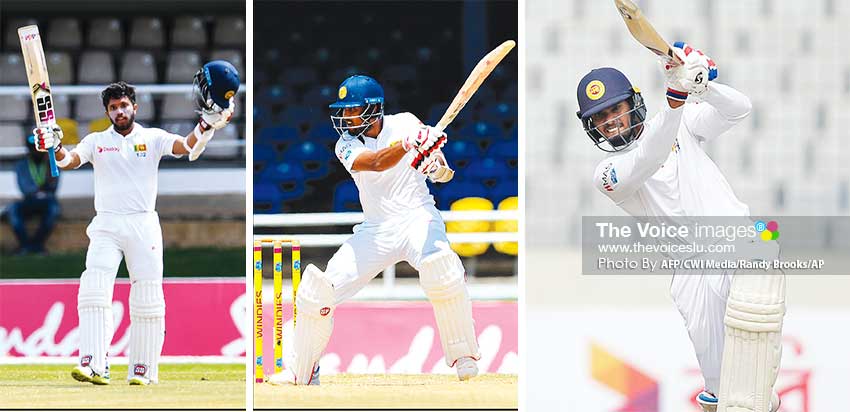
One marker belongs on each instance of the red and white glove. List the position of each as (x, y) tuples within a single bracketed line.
[(436, 167), (217, 118), (427, 140), (47, 137), (692, 77)]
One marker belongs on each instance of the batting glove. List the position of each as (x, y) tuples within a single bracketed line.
[(216, 118), (48, 137), (692, 77), (427, 140)]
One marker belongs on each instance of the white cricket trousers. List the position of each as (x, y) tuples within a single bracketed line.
[(137, 238), (700, 296), (375, 247)]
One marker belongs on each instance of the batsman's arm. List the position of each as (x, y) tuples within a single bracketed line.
[(183, 146), (67, 159), (722, 108), (621, 175), (377, 161)]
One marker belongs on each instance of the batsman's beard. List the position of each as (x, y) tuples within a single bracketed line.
[(129, 117)]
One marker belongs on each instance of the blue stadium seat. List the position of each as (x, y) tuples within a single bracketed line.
[(261, 116), (275, 134), (399, 74), (504, 189), (267, 198), (481, 130), (276, 94), (323, 132), (346, 197), (338, 75), (288, 179), (314, 159), (505, 149), (457, 189), (436, 112), (488, 168), (282, 172), (300, 117), (299, 76), (460, 153), (319, 97), (499, 113), (265, 152)]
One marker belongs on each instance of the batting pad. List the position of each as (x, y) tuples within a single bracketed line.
[(313, 327), (753, 342), (147, 329), (442, 277), (94, 308)]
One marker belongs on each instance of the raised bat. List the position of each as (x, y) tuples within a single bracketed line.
[(36, 65), (483, 69), (644, 33), (473, 82)]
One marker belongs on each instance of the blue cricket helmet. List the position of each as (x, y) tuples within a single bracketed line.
[(603, 88), (215, 83), (357, 91)]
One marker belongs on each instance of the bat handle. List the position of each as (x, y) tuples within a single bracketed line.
[(54, 170)]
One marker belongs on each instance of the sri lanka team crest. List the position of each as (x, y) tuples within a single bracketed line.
[(343, 92), (141, 150), (595, 90)]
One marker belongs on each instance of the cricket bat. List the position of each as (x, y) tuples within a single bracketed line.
[(644, 33), (36, 65), (473, 82), (483, 69)]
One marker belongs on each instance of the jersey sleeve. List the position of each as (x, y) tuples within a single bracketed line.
[(165, 142), (85, 150), (620, 176), (721, 108), (347, 150)]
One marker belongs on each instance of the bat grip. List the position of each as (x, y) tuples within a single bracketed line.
[(54, 170)]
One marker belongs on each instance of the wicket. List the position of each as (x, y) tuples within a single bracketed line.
[(277, 248)]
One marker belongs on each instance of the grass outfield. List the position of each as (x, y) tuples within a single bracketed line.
[(181, 386), (178, 262), (489, 391)]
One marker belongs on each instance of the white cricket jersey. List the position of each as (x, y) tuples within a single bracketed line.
[(666, 172), (392, 192), (125, 167)]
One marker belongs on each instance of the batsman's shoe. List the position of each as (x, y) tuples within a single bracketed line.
[(287, 377), (87, 374), (466, 368), (139, 380), (707, 401)]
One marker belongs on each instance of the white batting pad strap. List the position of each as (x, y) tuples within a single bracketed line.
[(94, 308), (314, 324), (147, 328), (753, 343), (442, 277)]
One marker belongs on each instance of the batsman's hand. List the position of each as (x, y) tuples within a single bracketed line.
[(217, 118), (692, 77), (47, 137), (425, 141), (436, 167)]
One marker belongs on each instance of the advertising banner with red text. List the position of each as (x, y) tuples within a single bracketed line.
[(204, 317), (402, 337)]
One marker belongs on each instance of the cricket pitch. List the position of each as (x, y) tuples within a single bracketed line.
[(202, 386), (355, 391)]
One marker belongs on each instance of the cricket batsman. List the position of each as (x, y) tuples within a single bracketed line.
[(125, 158), (658, 171), (389, 157)]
